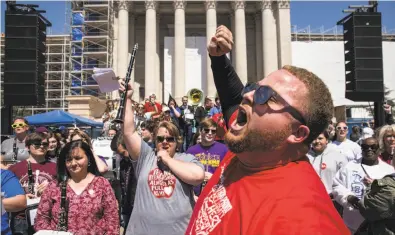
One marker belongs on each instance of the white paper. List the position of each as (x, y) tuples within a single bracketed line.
[(106, 79)]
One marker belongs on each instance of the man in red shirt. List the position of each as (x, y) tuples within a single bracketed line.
[(266, 185)]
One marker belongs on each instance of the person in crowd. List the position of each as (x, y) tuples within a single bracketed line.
[(112, 131), (13, 198), (166, 116), (218, 104), (210, 107), (221, 127), (326, 160), (355, 135), (147, 132), (209, 152), (266, 185), (175, 111), (347, 147), (43, 172), (127, 178), (100, 161), (152, 106), (139, 116), (197, 138), (5, 163), (349, 184), (188, 122), (91, 203), (378, 207), (331, 131), (164, 197), (54, 147), (15, 148), (386, 140)]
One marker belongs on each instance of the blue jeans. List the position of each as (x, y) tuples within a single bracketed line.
[(187, 137)]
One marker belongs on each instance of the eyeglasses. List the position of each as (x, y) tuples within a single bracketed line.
[(206, 130), (16, 125), (38, 145), (339, 128), (264, 93), (366, 147), (169, 139)]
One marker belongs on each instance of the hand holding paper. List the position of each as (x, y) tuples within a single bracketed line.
[(106, 79)]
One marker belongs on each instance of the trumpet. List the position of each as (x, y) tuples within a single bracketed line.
[(121, 109)]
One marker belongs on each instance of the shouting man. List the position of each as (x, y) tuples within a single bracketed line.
[(266, 184)]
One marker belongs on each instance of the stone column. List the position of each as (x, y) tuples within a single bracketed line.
[(211, 27), (150, 47), (123, 38), (240, 40), (179, 49), (258, 46), (159, 93), (284, 32), (132, 41), (269, 37), (115, 94)]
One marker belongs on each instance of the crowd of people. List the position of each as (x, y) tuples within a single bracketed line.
[(283, 167)]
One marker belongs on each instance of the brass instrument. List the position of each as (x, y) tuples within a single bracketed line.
[(63, 214), (30, 187), (195, 96), (122, 101)]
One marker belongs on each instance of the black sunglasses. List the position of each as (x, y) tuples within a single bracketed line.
[(206, 130), (169, 139), (264, 93), (366, 147), (38, 145)]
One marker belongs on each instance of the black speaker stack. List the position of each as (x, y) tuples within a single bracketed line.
[(363, 57), (24, 61)]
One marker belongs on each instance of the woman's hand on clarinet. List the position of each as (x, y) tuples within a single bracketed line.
[(130, 88), (221, 43)]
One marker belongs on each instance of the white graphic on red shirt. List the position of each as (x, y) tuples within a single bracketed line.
[(39, 178), (214, 208), (162, 184)]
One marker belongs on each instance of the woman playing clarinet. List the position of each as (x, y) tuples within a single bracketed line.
[(90, 205)]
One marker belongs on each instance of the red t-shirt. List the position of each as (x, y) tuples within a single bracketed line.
[(46, 171), (285, 200)]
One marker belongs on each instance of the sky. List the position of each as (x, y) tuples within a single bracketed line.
[(303, 13)]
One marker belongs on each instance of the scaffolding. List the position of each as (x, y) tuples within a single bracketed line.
[(56, 76), (91, 45), (332, 34)]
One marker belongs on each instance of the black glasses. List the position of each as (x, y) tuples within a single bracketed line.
[(206, 130), (169, 139), (366, 147), (38, 145), (263, 94)]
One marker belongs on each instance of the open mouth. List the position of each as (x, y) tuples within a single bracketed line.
[(241, 117)]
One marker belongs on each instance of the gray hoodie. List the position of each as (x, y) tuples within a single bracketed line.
[(327, 164)]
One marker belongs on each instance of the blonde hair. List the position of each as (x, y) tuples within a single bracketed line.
[(381, 135)]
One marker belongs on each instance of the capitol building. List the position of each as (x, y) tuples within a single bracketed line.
[(172, 58)]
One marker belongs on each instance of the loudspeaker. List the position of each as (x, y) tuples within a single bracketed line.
[(24, 61), (363, 57)]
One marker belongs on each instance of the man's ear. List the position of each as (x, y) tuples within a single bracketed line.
[(300, 135)]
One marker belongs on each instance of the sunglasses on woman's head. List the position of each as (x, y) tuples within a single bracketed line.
[(16, 125), (169, 139), (263, 94)]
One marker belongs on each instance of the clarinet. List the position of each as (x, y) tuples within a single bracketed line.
[(120, 114), (63, 214), (30, 187)]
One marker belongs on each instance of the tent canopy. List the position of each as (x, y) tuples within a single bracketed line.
[(59, 117)]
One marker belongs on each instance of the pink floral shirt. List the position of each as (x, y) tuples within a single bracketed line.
[(93, 212)]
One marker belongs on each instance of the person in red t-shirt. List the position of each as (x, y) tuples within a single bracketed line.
[(152, 106), (266, 184)]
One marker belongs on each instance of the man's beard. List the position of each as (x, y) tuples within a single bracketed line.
[(253, 140)]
